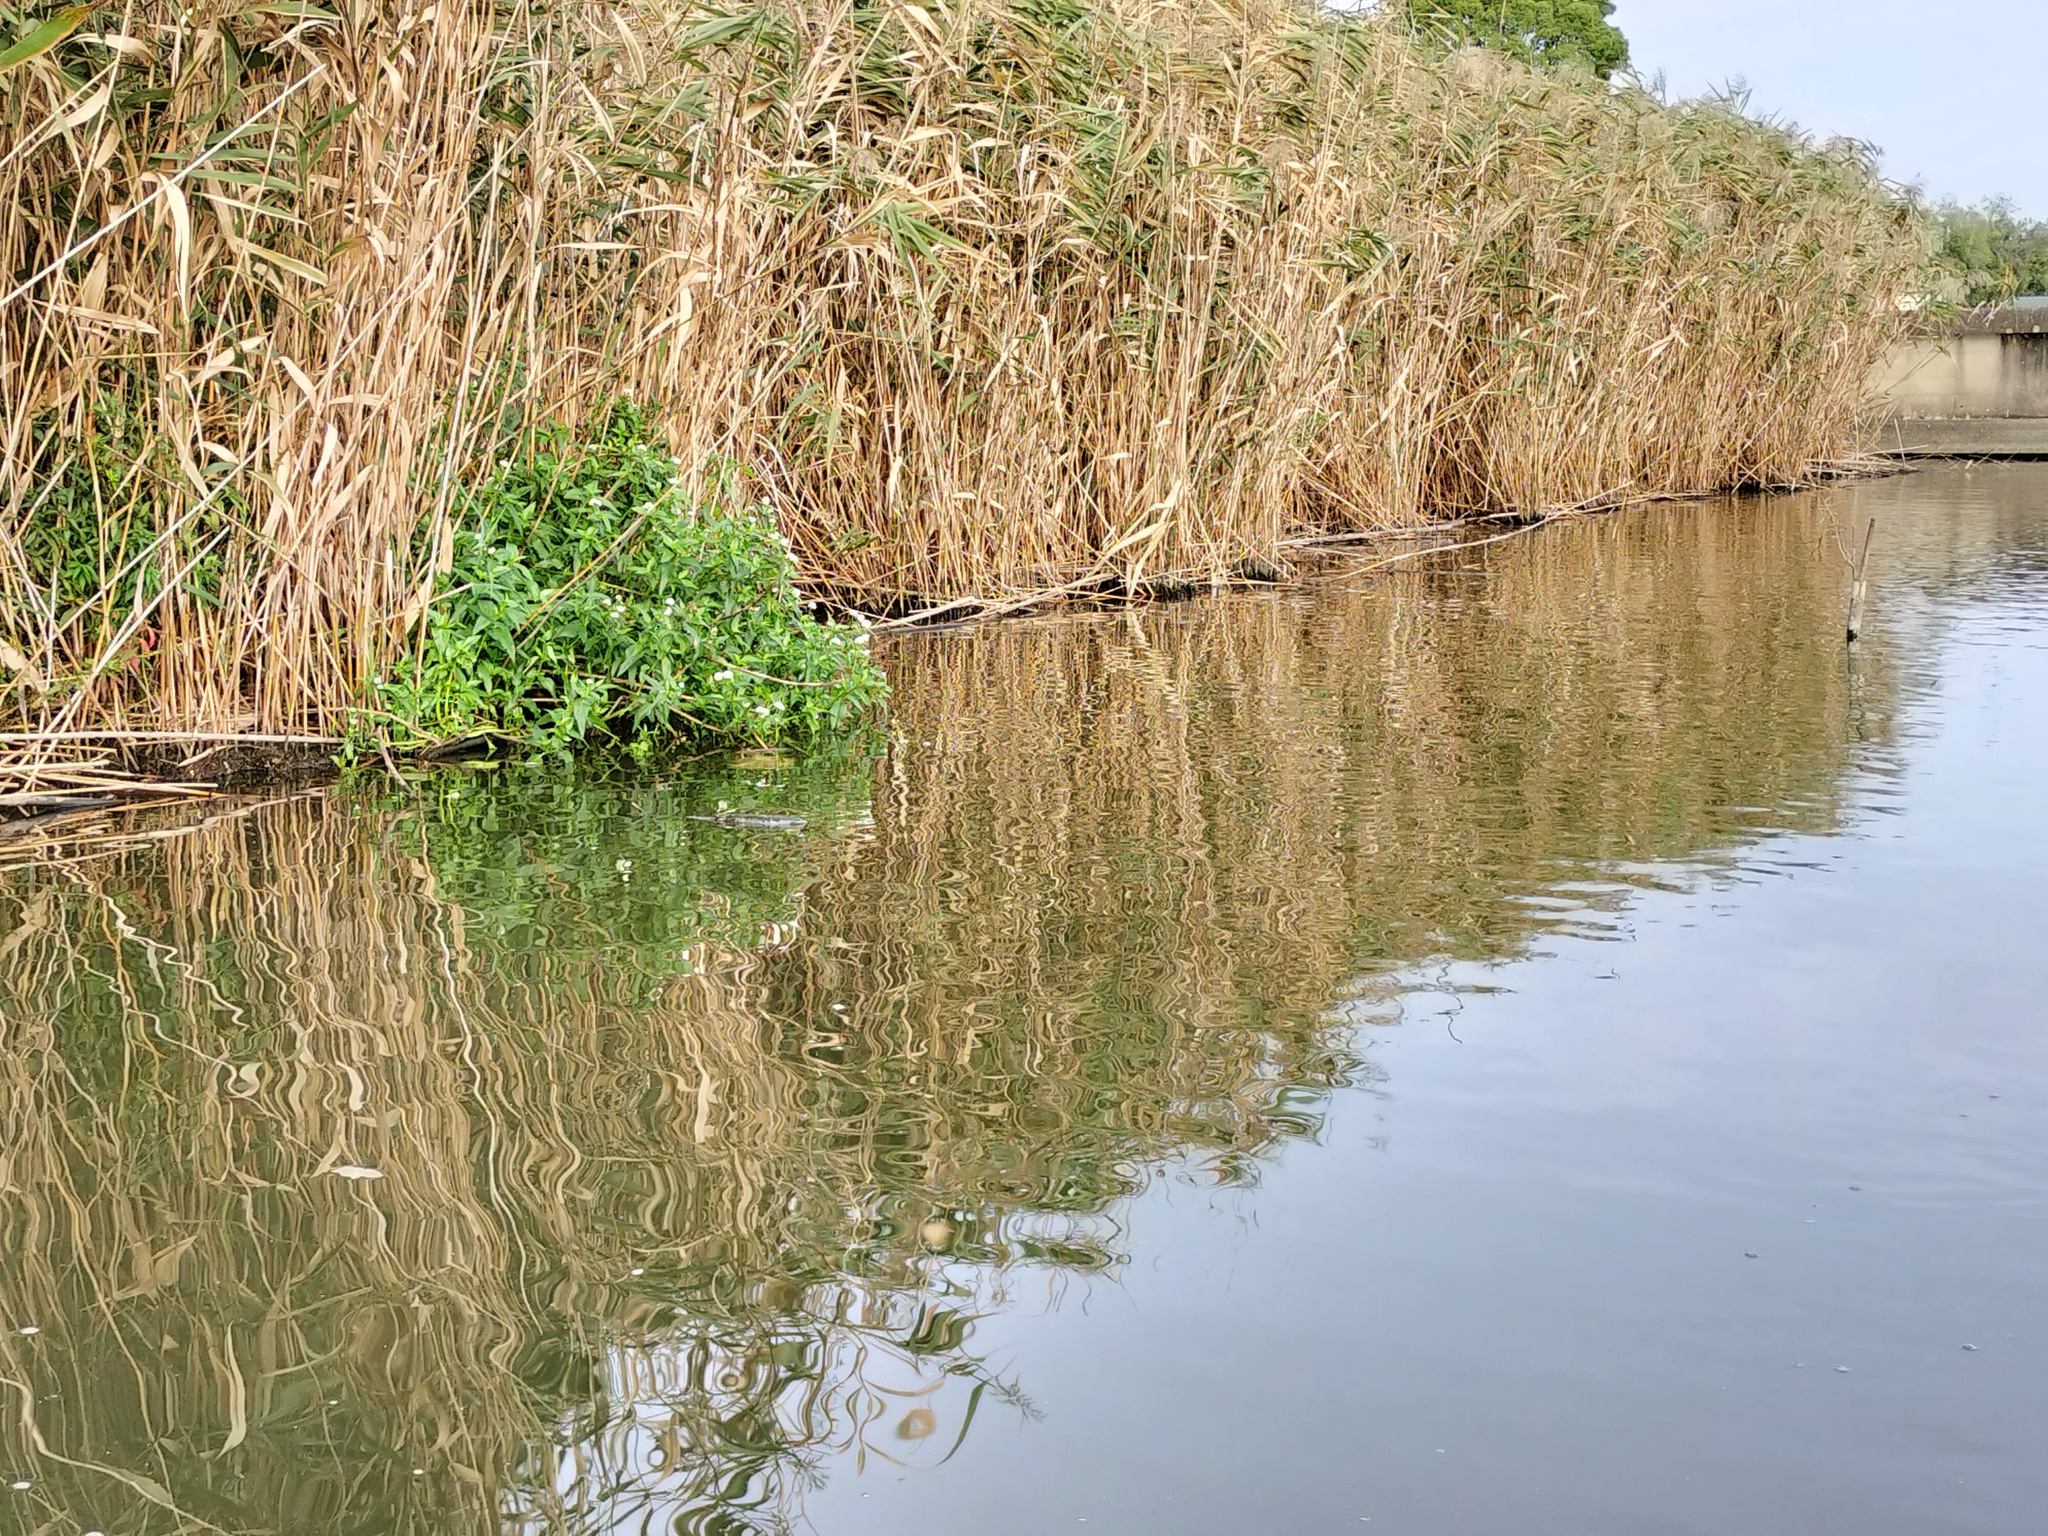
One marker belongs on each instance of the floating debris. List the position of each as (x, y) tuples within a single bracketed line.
[(352, 1171), (756, 821)]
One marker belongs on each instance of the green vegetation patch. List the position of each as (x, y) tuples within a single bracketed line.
[(588, 593), (1995, 252), (1557, 32)]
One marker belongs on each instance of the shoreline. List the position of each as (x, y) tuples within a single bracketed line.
[(139, 768)]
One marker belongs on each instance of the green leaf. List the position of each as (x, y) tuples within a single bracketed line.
[(41, 39), (722, 29), (293, 10)]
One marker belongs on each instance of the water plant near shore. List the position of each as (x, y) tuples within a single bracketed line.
[(586, 591), (993, 297)]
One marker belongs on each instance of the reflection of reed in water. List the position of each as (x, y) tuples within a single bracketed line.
[(626, 1242), (587, 1233), (697, 1151), (1216, 815)]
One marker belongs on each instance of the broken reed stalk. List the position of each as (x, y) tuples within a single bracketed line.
[(993, 298)]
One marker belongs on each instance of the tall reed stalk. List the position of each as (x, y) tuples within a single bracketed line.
[(990, 296)]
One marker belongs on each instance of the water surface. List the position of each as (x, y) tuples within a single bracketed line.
[(1542, 1040)]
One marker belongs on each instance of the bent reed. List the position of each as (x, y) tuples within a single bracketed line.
[(988, 297)]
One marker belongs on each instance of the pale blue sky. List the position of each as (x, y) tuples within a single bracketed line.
[(1955, 92)]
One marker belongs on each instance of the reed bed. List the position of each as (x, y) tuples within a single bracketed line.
[(987, 298)]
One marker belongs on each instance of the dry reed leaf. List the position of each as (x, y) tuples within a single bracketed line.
[(25, 673)]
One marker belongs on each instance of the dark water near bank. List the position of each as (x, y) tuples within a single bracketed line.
[(1539, 1043)]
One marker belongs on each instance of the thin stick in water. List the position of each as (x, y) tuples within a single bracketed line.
[(1857, 585)]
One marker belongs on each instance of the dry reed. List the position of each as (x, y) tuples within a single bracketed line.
[(991, 297)]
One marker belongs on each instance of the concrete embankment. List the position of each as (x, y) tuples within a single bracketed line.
[(1979, 392)]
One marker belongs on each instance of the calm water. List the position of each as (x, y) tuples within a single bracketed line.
[(1544, 1042)]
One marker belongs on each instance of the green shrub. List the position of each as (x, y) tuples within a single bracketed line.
[(1995, 252), (588, 595), (1568, 32)]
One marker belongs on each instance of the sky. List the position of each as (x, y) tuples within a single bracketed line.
[(1954, 93)]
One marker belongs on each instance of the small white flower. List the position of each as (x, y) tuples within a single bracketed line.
[(623, 866), (724, 676)]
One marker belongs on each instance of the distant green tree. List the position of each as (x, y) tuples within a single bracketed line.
[(1540, 31), (1997, 254)]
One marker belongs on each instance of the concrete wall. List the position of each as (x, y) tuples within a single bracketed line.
[(1996, 365), (1967, 376)]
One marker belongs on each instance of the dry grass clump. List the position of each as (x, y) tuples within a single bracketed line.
[(991, 296)]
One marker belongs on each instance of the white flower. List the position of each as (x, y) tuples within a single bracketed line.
[(724, 676)]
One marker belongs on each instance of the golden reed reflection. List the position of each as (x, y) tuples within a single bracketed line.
[(526, 1152)]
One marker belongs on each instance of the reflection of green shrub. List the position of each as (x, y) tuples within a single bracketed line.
[(626, 859), (587, 594)]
